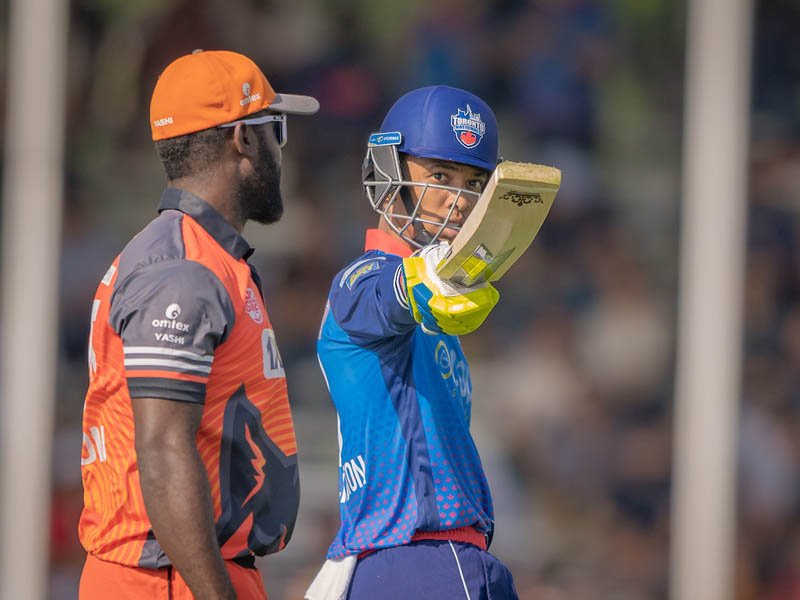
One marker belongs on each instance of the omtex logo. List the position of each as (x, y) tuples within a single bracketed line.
[(248, 97)]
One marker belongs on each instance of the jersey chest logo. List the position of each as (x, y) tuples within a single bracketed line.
[(253, 307)]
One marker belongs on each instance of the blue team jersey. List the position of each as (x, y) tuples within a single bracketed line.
[(407, 461)]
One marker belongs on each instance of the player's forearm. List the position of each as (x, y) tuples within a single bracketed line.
[(178, 502)]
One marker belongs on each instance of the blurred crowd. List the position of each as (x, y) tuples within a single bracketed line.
[(573, 372)]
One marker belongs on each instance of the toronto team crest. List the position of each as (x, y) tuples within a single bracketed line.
[(468, 127)]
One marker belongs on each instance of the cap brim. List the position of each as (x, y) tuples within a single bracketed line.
[(294, 104)]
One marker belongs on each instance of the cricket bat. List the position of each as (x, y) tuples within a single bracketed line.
[(506, 218)]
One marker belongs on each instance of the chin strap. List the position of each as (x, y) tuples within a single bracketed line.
[(423, 237)]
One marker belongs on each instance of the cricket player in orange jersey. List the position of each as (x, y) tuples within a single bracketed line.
[(189, 457)]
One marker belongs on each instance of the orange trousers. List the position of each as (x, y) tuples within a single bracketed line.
[(102, 580)]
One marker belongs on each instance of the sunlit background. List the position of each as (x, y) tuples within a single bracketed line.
[(574, 371)]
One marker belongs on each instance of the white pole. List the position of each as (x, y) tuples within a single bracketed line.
[(716, 136), (32, 199)]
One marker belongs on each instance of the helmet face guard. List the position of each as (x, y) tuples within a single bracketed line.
[(437, 122), (384, 185)]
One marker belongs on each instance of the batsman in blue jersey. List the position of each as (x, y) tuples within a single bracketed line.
[(416, 512)]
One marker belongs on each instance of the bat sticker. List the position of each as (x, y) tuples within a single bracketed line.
[(521, 199)]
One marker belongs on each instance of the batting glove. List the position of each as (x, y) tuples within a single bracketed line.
[(442, 306)]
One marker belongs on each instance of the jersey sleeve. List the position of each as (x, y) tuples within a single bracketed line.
[(368, 299), (171, 317)]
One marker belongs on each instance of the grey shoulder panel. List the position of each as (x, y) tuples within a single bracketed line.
[(161, 240), (178, 302)]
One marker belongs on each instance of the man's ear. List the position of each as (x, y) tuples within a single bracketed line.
[(244, 140)]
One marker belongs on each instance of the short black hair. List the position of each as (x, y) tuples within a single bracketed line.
[(190, 154), (193, 153)]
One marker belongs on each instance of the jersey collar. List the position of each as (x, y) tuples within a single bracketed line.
[(377, 239), (209, 219)]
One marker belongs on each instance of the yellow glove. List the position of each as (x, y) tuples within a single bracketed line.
[(442, 306)]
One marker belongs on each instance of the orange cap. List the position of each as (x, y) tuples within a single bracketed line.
[(206, 89)]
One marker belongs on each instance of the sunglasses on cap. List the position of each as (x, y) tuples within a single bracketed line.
[(279, 120)]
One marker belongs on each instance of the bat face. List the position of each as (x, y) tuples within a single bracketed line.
[(503, 223)]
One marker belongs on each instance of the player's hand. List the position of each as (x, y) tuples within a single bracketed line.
[(442, 306)]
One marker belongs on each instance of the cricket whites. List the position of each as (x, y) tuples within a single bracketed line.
[(506, 218)]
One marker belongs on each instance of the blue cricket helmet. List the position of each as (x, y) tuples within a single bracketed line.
[(438, 122), (445, 123)]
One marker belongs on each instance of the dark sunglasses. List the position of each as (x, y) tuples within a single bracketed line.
[(279, 120)]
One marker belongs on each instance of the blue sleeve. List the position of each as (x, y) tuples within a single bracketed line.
[(368, 299)]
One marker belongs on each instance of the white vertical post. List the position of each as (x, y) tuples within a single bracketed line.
[(716, 140), (32, 200)]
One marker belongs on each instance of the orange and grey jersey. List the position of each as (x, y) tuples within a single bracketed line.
[(179, 315)]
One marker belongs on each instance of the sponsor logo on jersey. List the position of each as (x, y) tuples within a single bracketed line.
[(371, 266), (354, 477), (170, 337), (162, 122), (95, 446), (452, 369), (252, 307), (248, 98), (172, 313), (170, 324), (468, 127)]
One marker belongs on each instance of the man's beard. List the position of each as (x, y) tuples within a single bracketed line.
[(259, 195)]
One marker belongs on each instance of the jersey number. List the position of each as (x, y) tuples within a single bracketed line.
[(273, 365)]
